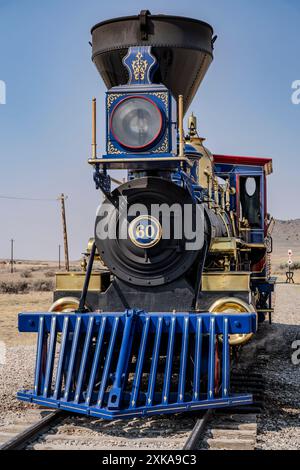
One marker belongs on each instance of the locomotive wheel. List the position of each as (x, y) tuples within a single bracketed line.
[(65, 305), (233, 305), (68, 305)]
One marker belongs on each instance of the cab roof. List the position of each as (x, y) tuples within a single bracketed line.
[(266, 163)]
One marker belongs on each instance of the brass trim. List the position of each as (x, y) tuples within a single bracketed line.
[(223, 245), (223, 206), (90, 245), (73, 281), (94, 129), (229, 305), (180, 126), (225, 223), (216, 192), (233, 223), (265, 310), (233, 281), (134, 223), (93, 161), (255, 245), (65, 305), (209, 183)]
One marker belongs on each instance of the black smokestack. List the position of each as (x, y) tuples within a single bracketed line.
[(182, 46)]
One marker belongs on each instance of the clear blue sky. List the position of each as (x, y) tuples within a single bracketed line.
[(243, 106)]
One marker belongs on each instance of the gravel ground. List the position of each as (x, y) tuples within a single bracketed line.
[(15, 374), (279, 426), (168, 432)]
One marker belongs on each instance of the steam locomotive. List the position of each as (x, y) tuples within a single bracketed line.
[(177, 275)]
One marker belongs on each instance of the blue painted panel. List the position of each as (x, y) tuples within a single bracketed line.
[(166, 144)]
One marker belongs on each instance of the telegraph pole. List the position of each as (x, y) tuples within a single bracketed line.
[(11, 256), (59, 247), (63, 215)]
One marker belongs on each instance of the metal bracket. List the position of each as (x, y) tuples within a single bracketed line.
[(144, 24), (102, 179), (81, 308)]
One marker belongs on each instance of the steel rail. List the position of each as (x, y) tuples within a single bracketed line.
[(198, 431)]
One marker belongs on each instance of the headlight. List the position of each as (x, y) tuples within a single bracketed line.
[(136, 122)]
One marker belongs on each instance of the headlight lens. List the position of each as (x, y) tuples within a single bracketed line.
[(136, 122)]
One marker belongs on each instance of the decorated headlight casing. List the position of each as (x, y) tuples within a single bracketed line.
[(141, 116), (136, 122)]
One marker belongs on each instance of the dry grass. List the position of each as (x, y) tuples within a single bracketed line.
[(11, 306), (28, 276), (28, 289)]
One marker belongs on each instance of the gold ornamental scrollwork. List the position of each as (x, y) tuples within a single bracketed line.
[(139, 66), (112, 149), (164, 97), (111, 98), (164, 147)]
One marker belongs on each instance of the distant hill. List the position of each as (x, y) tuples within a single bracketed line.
[(286, 236)]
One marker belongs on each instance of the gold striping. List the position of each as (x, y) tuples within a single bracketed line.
[(226, 281), (223, 245), (228, 305), (73, 281)]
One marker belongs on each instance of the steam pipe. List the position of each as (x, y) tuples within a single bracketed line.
[(180, 125), (82, 301), (94, 129)]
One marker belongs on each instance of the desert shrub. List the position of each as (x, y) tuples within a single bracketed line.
[(294, 266), (22, 287), (17, 287), (42, 285), (49, 274), (76, 269), (26, 274)]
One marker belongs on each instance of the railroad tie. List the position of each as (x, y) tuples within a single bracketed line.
[(235, 432)]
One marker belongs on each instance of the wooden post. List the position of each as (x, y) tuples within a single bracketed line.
[(59, 247), (11, 256), (63, 214)]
